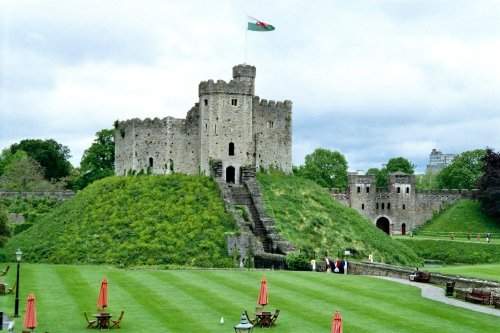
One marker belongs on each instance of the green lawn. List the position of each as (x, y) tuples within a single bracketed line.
[(488, 272), (187, 300)]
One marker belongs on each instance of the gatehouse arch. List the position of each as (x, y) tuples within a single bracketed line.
[(384, 225)]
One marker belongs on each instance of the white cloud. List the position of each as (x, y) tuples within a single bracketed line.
[(373, 80)]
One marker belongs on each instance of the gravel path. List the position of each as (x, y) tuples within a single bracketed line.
[(437, 294)]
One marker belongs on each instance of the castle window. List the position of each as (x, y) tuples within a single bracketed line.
[(399, 189), (407, 190), (376, 205), (215, 129), (231, 148), (234, 102), (404, 206), (151, 162), (205, 101), (382, 205), (359, 189), (368, 189), (362, 206), (388, 205)]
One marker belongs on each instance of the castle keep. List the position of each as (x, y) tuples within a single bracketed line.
[(229, 132)]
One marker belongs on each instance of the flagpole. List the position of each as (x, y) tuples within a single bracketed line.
[(246, 38)]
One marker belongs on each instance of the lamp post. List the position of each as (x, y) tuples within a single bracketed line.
[(244, 325), (19, 253)]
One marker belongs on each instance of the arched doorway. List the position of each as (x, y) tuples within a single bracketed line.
[(403, 229), (383, 224), (230, 174)]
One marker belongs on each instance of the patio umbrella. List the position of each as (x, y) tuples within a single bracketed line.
[(337, 323), (102, 302), (30, 315), (263, 292)]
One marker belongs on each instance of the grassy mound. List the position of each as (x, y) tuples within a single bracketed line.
[(154, 220), (460, 218), (307, 216)]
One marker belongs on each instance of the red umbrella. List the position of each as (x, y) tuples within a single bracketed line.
[(30, 315), (102, 302), (337, 323), (263, 292)]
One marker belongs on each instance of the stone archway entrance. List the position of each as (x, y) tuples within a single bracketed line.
[(383, 224), (403, 229), (230, 174)]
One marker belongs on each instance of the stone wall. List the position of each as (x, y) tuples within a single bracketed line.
[(61, 195), (377, 269)]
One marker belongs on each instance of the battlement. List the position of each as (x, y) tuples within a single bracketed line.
[(222, 87), (264, 103), (244, 72), (147, 122)]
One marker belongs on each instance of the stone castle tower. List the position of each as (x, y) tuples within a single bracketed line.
[(229, 133)]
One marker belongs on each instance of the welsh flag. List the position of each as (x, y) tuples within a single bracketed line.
[(259, 25)]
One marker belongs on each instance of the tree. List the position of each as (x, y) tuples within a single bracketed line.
[(23, 173), (396, 164), (427, 181), (52, 156), (464, 172), (489, 184), (5, 230), (5, 158), (98, 161), (325, 167)]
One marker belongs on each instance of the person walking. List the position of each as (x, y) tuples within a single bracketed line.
[(488, 237), (345, 265)]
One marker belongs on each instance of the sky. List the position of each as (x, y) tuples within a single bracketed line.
[(372, 80)]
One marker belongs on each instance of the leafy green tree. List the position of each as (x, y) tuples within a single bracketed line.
[(427, 181), (52, 156), (98, 161), (489, 184), (464, 172), (325, 167), (396, 164), (5, 230), (373, 171), (5, 158), (23, 173)]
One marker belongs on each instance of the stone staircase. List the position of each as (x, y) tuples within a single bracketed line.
[(260, 228)]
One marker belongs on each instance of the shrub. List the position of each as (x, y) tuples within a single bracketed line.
[(297, 262)]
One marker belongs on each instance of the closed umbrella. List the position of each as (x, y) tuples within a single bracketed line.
[(263, 292), (337, 323), (102, 302), (30, 315)]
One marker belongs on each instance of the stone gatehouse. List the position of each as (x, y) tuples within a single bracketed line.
[(229, 132), (400, 208)]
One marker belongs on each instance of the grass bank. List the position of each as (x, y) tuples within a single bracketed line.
[(134, 220), (190, 300), (306, 215), (488, 272), (453, 252)]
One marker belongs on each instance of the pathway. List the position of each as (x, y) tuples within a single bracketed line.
[(437, 294)]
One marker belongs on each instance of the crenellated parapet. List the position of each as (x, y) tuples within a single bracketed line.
[(222, 87)]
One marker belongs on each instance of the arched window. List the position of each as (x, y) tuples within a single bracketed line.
[(151, 162), (407, 190), (231, 149)]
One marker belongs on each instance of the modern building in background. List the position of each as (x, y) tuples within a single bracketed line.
[(438, 160)]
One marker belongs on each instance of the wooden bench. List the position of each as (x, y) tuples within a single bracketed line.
[(478, 296), (422, 277), (496, 301)]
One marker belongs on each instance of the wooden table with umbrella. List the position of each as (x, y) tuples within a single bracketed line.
[(337, 323), (30, 315), (102, 316), (264, 317)]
